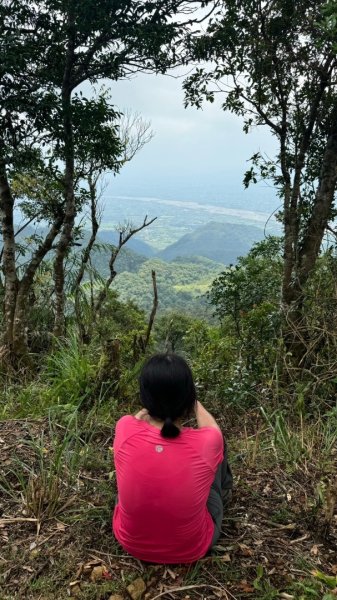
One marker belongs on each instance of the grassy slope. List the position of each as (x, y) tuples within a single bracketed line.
[(55, 524)]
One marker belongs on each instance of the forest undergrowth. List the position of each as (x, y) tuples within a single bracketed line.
[(57, 488), (57, 419)]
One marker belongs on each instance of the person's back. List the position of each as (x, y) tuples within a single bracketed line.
[(170, 478), (163, 487)]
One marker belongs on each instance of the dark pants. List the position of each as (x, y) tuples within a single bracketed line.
[(220, 495)]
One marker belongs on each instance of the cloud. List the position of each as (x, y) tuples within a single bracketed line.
[(193, 151)]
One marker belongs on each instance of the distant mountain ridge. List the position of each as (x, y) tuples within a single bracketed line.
[(220, 242)]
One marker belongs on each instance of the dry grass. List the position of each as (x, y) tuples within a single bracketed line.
[(55, 525)]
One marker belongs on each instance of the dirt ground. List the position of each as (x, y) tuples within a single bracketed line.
[(278, 540)]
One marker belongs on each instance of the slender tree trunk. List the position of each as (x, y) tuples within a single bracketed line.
[(293, 191), (25, 286), (8, 260), (309, 249), (70, 206), (318, 222), (140, 343), (86, 256), (62, 247)]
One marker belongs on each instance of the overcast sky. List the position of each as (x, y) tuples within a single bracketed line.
[(195, 154)]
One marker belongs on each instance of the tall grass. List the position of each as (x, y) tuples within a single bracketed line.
[(43, 484), (298, 443), (71, 371)]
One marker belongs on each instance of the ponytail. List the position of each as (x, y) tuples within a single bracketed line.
[(169, 429)]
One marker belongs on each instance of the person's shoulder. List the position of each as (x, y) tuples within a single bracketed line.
[(125, 428), (212, 432), (125, 425), (206, 436), (208, 442), (126, 421)]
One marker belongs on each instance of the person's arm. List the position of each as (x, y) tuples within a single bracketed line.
[(204, 418)]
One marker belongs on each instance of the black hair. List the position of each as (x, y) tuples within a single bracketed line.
[(167, 390)]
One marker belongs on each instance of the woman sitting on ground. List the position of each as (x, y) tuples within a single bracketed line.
[(172, 480)]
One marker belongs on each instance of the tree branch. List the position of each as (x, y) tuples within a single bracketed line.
[(123, 239)]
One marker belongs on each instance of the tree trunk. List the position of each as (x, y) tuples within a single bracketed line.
[(8, 260), (85, 335), (308, 251), (318, 222), (293, 192), (24, 289), (70, 206)]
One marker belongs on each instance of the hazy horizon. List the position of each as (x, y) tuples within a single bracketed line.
[(195, 155)]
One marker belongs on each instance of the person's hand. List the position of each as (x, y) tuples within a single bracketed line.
[(142, 415)]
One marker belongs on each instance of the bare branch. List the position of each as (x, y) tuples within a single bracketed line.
[(134, 134), (124, 236)]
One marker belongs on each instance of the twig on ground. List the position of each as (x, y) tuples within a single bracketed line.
[(9, 520), (191, 587), (110, 555), (300, 539)]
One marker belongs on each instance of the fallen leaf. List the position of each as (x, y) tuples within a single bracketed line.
[(314, 550), (226, 557), (79, 570), (245, 587), (222, 548), (245, 550), (115, 597), (97, 573), (32, 546), (171, 573), (137, 588), (29, 569), (88, 567)]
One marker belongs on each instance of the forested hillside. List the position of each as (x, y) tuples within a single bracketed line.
[(183, 281), (182, 284), (254, 315), (221, 242)]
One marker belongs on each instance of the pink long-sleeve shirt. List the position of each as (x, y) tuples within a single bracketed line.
[(163, 485)]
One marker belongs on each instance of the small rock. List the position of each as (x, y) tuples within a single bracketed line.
[(137, 588)]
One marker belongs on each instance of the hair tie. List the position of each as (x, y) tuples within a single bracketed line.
[(168, 421)]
